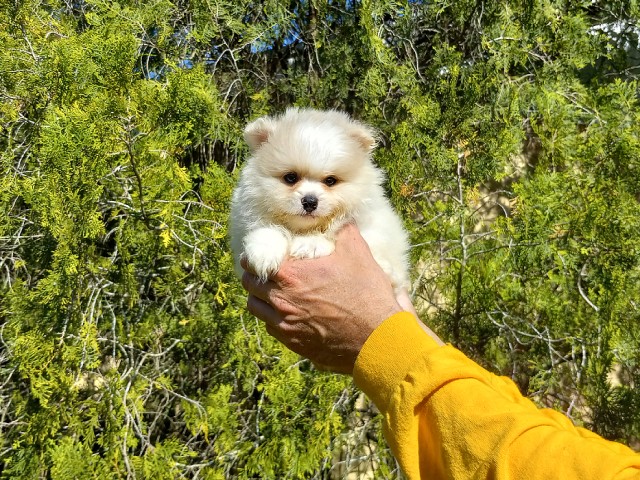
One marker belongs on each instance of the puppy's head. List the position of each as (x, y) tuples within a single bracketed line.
[(309, 167)]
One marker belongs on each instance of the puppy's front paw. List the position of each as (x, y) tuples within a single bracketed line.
[(265, 249), (311, 246)]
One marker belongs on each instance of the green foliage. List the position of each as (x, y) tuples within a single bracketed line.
[(509, 134)]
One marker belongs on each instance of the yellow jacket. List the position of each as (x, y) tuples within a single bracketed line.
[(445, 417)]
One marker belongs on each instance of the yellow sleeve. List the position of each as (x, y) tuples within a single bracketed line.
[(445, 417)]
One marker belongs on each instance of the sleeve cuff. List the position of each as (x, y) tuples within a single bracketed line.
[(388, 355)]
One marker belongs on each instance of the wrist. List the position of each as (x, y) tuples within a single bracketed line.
[(388, 354)]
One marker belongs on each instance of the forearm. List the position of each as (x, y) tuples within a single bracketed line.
[(446, 417)]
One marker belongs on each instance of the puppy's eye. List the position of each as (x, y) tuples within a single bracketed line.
[(290, 178), (330, 181)]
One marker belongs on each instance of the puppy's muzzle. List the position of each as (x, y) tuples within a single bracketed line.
[(309, 203)]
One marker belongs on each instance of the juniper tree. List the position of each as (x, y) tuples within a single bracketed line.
[(509, 134)]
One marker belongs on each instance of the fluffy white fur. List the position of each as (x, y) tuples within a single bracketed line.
[(268, 218)]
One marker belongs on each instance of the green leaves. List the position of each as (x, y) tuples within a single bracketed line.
[(509, 135)]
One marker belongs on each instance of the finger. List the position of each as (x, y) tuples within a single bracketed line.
[(263, 311), (255, 286), (244, 263), (270, 317)]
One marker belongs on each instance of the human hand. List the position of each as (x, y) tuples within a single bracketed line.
[(326, 308)]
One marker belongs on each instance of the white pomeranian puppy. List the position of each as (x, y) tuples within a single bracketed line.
[(310, 173)]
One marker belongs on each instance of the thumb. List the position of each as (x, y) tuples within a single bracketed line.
[(349, 239), (404, 300)]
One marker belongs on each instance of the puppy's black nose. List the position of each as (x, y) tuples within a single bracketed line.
[(309, 203)]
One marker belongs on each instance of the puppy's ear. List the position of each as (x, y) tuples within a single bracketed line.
[(257, 132), (365, 136)]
